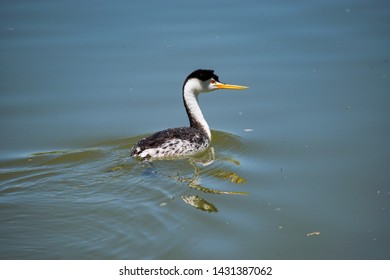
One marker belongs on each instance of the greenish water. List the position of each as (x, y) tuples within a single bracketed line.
[(298, 167), (61, 196)]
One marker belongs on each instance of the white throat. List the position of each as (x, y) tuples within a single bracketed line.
[(190, 95)]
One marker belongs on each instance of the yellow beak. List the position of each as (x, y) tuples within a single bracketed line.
[(227, 86)]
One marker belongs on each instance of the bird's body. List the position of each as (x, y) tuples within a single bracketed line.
[(171, 142), (184, 141)]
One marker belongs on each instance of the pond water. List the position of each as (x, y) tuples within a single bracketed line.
[(298, 167)]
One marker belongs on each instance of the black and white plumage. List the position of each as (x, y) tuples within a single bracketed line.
[(184, 141)]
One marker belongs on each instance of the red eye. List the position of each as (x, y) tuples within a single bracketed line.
[(212, 81)]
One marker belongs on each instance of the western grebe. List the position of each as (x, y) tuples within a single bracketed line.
[(184, 141)]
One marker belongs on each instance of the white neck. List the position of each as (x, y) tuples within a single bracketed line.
[(190, 97)]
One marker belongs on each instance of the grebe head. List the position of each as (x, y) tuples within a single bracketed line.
[(205, 81)]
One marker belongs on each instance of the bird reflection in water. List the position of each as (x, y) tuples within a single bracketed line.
[(200, 164)]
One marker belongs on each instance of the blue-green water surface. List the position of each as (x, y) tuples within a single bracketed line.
[(299, 162)]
